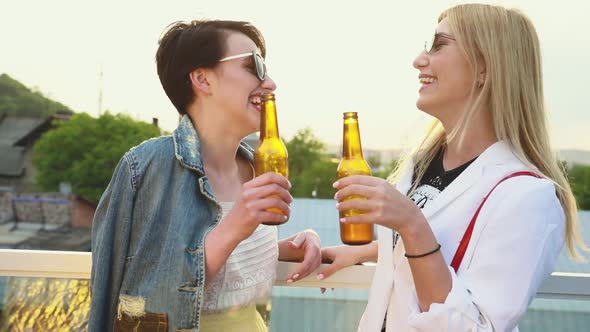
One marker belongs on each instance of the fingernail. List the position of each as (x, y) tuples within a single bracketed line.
[(285, 217), (335, 196), (335, 185), (342, 219), (320, 276), (295, 276), (337, 205), (289, 184), (289, 281)]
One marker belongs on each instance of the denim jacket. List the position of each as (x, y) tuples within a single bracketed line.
[(148, 233)]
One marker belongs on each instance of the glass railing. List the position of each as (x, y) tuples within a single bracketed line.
[(557, 315), (44, 304), (48, 291)]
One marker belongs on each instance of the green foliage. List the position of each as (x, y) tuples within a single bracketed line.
[(17, 99), (304, 148), (316, 180), (579, 178), (84, 151), (311, 170)]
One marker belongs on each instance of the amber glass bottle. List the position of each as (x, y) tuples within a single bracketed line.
[(271, 154), (352, 163)]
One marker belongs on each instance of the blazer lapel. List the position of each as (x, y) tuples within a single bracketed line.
[(463, 182), (497, 153)]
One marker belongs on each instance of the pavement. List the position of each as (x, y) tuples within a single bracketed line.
[(27, 235)]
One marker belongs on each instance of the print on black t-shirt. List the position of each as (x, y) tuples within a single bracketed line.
[(435, 180)]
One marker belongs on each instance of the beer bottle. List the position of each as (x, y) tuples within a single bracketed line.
[(352, 163), (271, 154)]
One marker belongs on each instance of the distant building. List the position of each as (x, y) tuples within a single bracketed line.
[(20, 205), (574, 157), (17, 137)]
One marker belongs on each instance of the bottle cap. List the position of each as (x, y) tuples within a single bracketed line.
[(268, 96)]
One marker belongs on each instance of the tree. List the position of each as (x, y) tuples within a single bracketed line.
[(17, 99), (304, 148), (84, 151), (311, 170), (579, 178), (316, 180)]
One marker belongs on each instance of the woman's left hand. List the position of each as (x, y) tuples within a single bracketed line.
[(384, 205), (305, 247)]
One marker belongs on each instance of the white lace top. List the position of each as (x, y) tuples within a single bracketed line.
[(248, 273)]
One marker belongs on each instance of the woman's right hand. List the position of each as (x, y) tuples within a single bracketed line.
[(340, 257), (269, 190)]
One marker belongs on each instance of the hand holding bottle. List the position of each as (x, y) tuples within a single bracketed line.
[(270, 190)]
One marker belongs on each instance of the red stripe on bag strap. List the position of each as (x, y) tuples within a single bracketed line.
[(467, 236)]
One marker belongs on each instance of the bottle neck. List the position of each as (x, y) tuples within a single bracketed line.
[(269, 127), (351, 144)]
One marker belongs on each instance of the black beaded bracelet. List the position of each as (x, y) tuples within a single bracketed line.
[(425, 254)]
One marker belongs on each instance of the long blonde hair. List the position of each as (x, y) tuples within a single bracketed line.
[(503, 43)]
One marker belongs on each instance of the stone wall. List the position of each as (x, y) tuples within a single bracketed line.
[(54, 209), (48, 208)]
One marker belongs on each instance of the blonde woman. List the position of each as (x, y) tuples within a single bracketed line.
[(479, 212)]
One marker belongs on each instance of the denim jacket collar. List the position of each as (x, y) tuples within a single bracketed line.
[(187, 147)]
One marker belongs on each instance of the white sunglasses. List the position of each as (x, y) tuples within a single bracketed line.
[(258, 62)]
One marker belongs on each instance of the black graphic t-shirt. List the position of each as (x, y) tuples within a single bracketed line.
[(435, 180)]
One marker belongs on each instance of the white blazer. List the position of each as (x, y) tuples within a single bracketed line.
[(517, 238)]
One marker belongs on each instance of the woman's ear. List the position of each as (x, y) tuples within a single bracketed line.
[(199, 80), (482, 76)]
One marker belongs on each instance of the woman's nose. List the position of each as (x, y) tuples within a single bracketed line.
[(421, 60), (268, 84)]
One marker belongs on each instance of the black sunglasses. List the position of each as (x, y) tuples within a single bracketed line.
[(433, 43), (258, 62)]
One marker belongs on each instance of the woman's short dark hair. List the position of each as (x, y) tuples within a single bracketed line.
[(186, 46)]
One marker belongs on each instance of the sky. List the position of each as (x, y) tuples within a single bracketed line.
[(327, 57)]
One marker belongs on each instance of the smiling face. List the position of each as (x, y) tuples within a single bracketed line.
[(236, 88), (446, 77)]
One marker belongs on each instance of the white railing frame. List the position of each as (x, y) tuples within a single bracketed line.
[(77, 265)]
